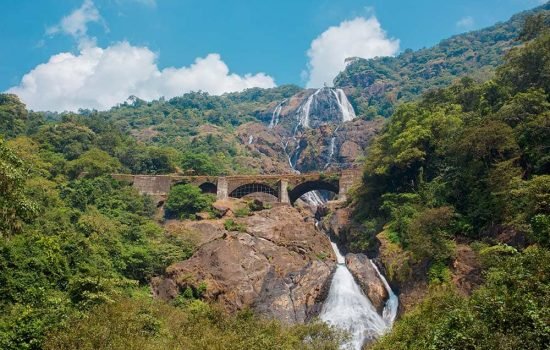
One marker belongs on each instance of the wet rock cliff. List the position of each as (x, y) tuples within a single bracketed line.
[(311, 131)]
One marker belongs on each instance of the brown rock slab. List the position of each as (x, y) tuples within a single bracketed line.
[(366, 276), (277, 267)]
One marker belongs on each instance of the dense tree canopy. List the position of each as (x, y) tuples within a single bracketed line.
[(469, 163)]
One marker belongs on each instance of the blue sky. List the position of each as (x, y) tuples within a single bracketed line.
[(238, 43)]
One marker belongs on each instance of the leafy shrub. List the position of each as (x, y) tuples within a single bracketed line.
[(151, 325), (185, 200), (242, 212), (232, 225)]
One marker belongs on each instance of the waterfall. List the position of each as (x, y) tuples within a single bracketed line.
[(330, 151), (276, 114), (303, 111), (332, 147), (348, 308), (390, 309), (314, 198), (345, 107), (250, 139)]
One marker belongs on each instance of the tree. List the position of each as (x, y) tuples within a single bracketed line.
[(94, 162), (13, 115), (200, 163), (15, 207), (185, 200)]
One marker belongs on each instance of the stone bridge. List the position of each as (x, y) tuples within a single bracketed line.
[(285, 188)]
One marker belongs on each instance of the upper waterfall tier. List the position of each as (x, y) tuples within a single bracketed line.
[(325, 105)]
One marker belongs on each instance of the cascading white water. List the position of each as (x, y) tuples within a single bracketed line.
[(313, 198), (348, 308), (303, 111), (345, 107), (303, 122), (390, 309), (250, 139), (276, 114)]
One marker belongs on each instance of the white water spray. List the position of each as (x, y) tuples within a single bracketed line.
[(250, 139), (346, 108), (303, 111), (348, 308), (276, 114), (390, 309)]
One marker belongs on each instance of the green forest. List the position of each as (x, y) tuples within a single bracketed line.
[(470, 163), (378, 85), (467, 164)]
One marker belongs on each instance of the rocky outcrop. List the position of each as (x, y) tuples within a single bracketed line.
[(366, 276), (280, 265), (312, 130)]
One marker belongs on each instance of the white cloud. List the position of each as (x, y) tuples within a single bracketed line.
[(103, 77), (359, 37), (76, 23), (465, 23)]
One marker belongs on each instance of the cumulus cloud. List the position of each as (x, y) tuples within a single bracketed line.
[(76, 23), (103, 77), (465, 23), (359, 37), (99, 78)]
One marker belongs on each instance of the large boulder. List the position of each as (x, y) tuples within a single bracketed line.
[(368, 279), (281, 266)]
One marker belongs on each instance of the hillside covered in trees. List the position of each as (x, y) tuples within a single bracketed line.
[(464, 167), (376, 86), (467, 169)]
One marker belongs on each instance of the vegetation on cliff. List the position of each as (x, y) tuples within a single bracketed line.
[(77, 248), (470, 163), (377, 86), (467, 163)]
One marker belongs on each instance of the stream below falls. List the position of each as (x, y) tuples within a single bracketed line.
[(349, 309)]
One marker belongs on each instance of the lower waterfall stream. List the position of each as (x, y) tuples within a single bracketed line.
[(349, 309)]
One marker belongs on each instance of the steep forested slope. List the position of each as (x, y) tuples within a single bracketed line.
[(467, 169), (377, 85)]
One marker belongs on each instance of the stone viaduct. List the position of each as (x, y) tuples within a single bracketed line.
[(285, 188)]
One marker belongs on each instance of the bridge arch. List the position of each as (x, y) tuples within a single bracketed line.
[(312, 185), (208, 187), (254, 187)]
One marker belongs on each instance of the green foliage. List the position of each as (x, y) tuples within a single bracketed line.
[(93, 163), (13, 115), (428, 236), (185, 200), (232, 225), (242, 212), (377, 86), (149, 160), (439, 273), (15, 207), (509, 312), (139, 324), (93, 241), (470, 162), (200, 164)]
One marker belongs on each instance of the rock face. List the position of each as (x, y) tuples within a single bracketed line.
[(311, 131), (366, 276), (281, 266)]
